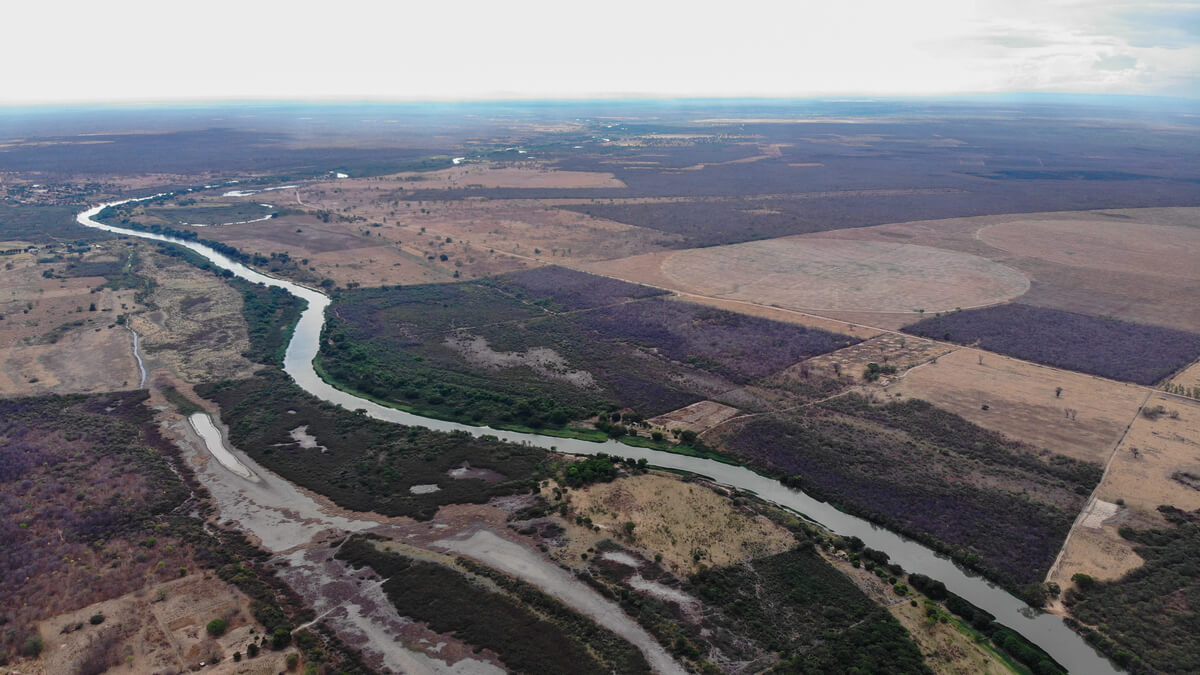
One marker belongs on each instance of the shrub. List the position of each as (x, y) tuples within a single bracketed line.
[(96, 619), (217, 627)]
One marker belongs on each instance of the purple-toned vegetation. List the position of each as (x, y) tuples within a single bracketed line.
[(739, 347), (916, 468), (569, 289), (1120, 350)]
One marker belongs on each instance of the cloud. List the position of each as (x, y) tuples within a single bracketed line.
[(1115, 62)]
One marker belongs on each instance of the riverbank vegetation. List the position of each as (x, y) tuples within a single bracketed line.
[(1148, 620), (529, 631), (929, 474), (550, 346), (361, 463)]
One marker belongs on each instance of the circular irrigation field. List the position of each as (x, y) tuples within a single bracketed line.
[(829, 274)]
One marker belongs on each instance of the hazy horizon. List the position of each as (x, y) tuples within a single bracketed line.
[(135, 51)]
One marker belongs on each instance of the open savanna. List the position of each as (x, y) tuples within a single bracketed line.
[(1023, 400), (1132, 264), (59, 332), (1157, 463)]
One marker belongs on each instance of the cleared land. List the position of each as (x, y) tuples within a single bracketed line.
[(690, 525), (816, 274), (1131, 264), (928, 473), (493, 175), (193, 322), (885, 349), (1023, 401), (697, 417), (56, 310), (1157, 463)]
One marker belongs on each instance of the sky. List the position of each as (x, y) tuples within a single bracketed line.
[(58, 51)]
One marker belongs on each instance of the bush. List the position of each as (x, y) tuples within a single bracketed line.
[(292, 661), (217, 627), (96, 619), (32, 647)]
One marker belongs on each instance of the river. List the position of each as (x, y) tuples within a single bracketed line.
[(1045, 630)]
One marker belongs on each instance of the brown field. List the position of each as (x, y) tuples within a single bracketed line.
[(1188, 377), (1165, 446), (697, 417), (1022, 404), (784, 315), (1132, 263), (1102, 244), (487, 175), (159, 628), (84, 360), (901, 351), (680, 520), (947, 650), (195, 328), (811, 274), (96, 356), (1152, 466), (375, 235)]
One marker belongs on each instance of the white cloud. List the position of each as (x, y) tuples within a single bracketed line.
[(135, 49)]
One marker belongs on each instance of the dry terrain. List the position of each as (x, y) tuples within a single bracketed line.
[(160, 628), (689, 524), (822, 275), (1158, 462), (947, 650), (697, 417), (885, 349), (40, 351), (1133, 264), (193, 325), (1084, 421), (489, 175)]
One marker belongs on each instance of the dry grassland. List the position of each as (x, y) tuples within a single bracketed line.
[(698, 417), (1154, 465), (487, 175), (93, 357), (1132, 263), (946, 650), (885, 349), (689, 524), (195, 328), (1150, 467), (1022, 403), (160, 628), (824, 275)]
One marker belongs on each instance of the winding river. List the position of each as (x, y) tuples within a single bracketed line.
[(1045, 630)]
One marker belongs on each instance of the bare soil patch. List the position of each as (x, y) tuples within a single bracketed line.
[(1143, 474), (1084, 421), (689, 524), (1101, 243), (945, 648), (1127, 263), (697, 417), (196, 328), (885, 349), (488, 175), (804, 273), (160, 628)]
